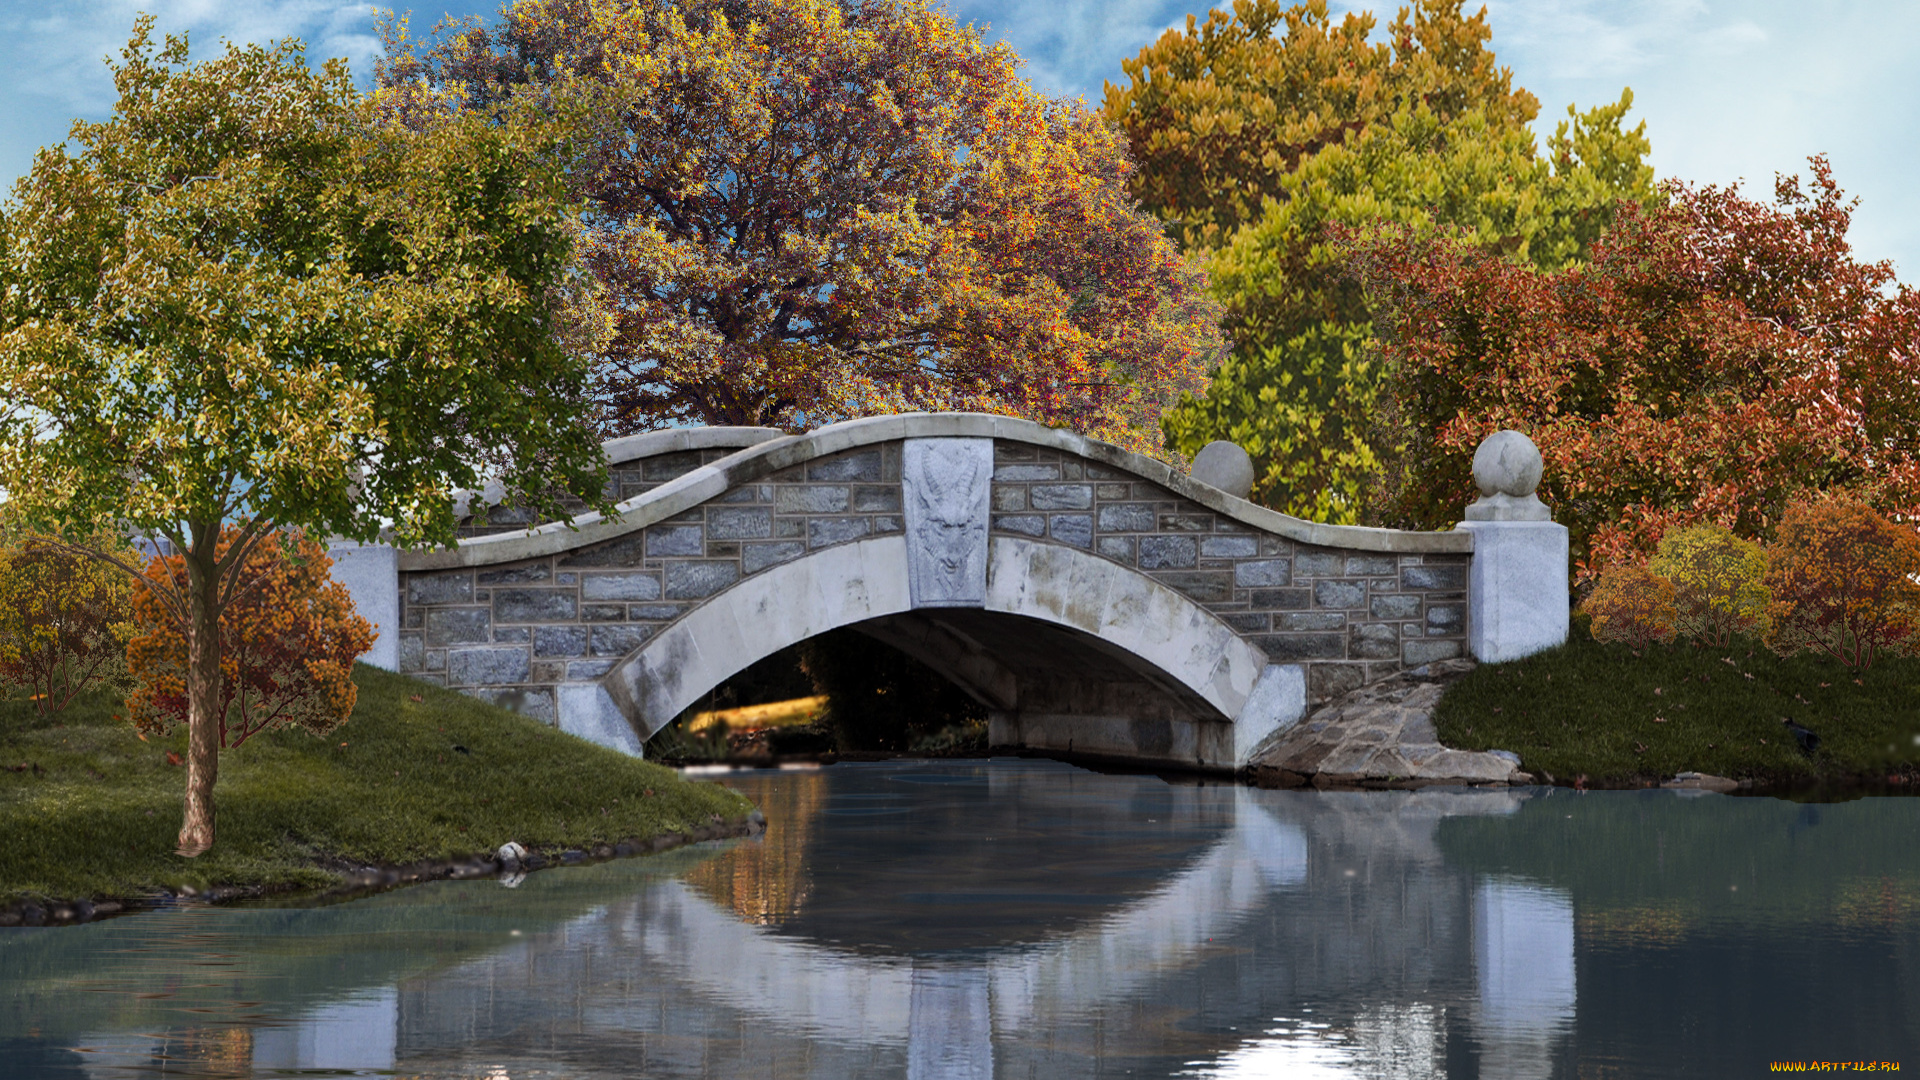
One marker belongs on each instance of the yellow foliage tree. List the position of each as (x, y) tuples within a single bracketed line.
[(1843, 581), (1632, 604), (1719, 582), (64, 617)]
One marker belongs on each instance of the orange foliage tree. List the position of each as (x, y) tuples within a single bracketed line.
[(1843, 581), (288, 640), (1716, 358), (64, 617), (1632, 604), (801, 211)]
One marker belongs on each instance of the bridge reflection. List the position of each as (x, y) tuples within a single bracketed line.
[(1293, 909)]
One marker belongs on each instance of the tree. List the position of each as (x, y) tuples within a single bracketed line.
[(1719, 583), (1717, 358), (1262, 133), (254, 299), (808, 210), (288, 641), (63, 617), (1843, 580)]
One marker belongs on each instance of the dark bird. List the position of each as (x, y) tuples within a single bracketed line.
[(462, 750), (1809, 742)]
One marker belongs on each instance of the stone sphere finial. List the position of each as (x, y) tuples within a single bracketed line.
[(1226, 466), (1506, 468)]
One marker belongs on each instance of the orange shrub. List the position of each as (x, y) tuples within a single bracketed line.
[(1843, 581), (1631, 604), (287, 645)]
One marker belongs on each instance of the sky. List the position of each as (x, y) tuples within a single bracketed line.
[(1731, 90)]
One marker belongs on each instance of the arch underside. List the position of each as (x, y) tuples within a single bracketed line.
[(1052, 687), (1070, 652)]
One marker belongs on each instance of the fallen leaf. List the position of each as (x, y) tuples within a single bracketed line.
[(1825, 684), (174, 759), (413, 697), (343, 746), (1657, 690), (1659, 719), (1748, 674), (141, 735)]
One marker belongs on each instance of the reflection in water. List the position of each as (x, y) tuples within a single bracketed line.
[(766, 882), (1025, 919)]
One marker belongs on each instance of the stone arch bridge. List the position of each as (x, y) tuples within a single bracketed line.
[(1097, 602)]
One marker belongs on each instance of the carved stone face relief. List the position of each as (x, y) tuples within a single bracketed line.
[(947, 484)]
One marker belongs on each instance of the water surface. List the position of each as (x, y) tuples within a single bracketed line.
[(1028, 919)]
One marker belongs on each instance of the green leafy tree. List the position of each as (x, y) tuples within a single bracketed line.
[(1265, 134), (254, 298), (808, 210)]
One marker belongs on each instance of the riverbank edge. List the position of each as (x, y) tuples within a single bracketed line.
[(358, 880)]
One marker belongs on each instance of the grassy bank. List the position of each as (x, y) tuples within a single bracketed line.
[(88, 809), (1620, 718)]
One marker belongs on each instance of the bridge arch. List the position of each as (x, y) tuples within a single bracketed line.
[(1175, 679), (1182, 625)]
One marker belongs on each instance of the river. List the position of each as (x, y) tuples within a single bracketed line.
[(1022, 918)]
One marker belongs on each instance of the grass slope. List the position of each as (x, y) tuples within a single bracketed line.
[(1617, 717), (90, 810)]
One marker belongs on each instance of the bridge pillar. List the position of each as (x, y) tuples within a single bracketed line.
[(1517, 596)]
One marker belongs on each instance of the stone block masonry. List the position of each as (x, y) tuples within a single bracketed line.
[(536, 618)]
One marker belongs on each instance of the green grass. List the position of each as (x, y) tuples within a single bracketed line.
[(97, 810), (1618, 718)]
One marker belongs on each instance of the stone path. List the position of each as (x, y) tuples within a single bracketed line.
[(1382, 735)]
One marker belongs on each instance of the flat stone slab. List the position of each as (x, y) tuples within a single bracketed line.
[(1382, 735)]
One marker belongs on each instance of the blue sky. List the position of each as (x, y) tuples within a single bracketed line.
[(1730, 89)]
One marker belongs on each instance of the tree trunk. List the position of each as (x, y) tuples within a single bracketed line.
[(203, 690)]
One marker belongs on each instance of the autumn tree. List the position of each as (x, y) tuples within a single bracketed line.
[(1263, 131), (809, 210), (252, 299), (1717, 358), (1719, 582), (64, 617), (1844, 580), (1631, 604), (288, 640)]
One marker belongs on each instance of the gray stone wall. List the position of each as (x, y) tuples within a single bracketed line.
[(1349, 617), (511, 633)]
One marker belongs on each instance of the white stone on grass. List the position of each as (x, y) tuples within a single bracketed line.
[(587, 710)]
